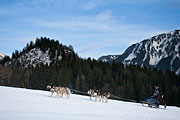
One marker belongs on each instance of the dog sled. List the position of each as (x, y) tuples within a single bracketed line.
[(153, 103)]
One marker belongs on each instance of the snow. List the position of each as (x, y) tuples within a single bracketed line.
[(154, 59), (171, 32), (131, 56), (57, 57), (177, 47), (156, 48), (174, 57), (35, 56), (113, 57), (154, 52), (155, 45), (25, 104), (67, 51), (104, 60), (139, 48), (145, 53), (2, 56), (178, 71)]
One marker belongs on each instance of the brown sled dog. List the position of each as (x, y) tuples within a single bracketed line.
[(60, 91), (64, 90)]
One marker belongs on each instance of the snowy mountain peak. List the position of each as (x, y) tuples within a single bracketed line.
[(160, 51)]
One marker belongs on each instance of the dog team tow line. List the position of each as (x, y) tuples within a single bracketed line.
[(60, 91)]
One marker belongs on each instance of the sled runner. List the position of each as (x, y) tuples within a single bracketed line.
[(148, 104)]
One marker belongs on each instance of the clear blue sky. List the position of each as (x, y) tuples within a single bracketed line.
[(93, 27)]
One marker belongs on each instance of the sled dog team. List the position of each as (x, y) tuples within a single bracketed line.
[(67, 92)]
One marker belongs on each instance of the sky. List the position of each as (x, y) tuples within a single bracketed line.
[(93, 27)]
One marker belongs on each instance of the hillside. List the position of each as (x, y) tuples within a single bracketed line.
[(44, 51), (20, 104), (2, 56), (160, 51)]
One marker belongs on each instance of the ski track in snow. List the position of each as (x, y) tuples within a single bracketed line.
[(25, 104)]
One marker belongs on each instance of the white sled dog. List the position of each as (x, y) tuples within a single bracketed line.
[(94, 93), (60, 91)]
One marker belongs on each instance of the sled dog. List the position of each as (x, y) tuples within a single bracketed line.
[(94, 93), (99, 95), (105, 97), (53, 89), (60, 91), (64, 90)]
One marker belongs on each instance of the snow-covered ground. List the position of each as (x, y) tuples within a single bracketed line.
[(25, 104)]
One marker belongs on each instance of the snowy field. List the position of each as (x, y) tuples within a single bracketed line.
[(24, 104)]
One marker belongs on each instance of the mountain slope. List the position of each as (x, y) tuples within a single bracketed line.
[(108, 58), (20, 104), (2, 56), (43, 51), (161, 51)]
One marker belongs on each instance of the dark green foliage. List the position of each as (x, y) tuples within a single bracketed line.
[(132, 82)]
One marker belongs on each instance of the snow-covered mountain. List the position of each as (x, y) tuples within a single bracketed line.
[(2, 56), (26, 104), (161, 51)]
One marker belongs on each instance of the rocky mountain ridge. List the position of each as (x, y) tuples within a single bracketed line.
[(160, 51), (43, 51)]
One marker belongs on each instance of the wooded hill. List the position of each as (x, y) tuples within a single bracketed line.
[(46, 61)]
